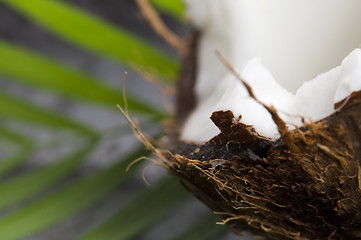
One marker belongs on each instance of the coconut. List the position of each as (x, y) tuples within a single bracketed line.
[(283, 164), (304, 185)]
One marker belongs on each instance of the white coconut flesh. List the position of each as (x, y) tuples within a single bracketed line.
[(275, 45)]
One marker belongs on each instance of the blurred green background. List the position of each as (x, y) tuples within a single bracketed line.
[(65, 146)]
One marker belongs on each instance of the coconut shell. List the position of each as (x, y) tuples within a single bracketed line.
[(264, 186)]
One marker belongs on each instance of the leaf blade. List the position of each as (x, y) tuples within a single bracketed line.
[(13, 191), (24, 144), (204, 229), (141, 213), (46, 73), (65, 202), (82, 28), (16, 109), (174, 7)]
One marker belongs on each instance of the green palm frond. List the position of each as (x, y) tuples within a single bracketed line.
[(94, 34), (24, 148), (42, 194), (174, 8), (36, 70)]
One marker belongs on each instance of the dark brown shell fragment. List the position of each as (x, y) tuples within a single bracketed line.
[(232, 129)]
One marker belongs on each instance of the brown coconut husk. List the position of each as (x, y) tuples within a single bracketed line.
[(305, 185)]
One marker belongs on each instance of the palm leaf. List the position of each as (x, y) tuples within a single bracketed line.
[(174, 8), (65, 201), (203, 229), (24, 145), (13, 191), (34, 199), (16, 109), (128, 222), (43, 72), (92, 33)]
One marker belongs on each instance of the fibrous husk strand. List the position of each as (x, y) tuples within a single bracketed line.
[(159, 26)]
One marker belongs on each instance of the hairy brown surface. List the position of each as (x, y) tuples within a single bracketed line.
[(263, 186)]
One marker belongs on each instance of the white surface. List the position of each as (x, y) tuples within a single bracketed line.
[(296, 40)]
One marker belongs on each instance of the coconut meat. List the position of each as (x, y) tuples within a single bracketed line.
[(287, 41)]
